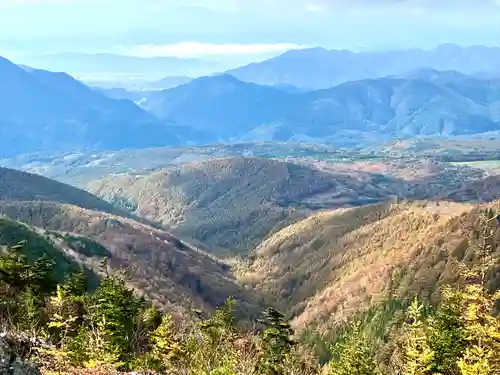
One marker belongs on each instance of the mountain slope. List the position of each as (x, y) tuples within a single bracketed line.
[(160, 267), (396, 107), (169, 82), (221, 105), (35, 245), (233, 203), (318, 68), (480, 190), (336, 264), (22, 186), (45, 111), (85, 229), (480, 90), (438, 104)]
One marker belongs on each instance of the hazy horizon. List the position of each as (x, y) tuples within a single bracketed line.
[(216, 30), (197, 67), (217, 35)]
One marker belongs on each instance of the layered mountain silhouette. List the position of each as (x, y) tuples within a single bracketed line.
[(423, 102), (45, 111), (318, 68), (92, 66), (221, 105)]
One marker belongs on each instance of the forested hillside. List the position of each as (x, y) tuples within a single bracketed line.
[(233, 203), (21, 186), (107, 329), (88, 230), (334, 265), (258, 187), (252, 237)]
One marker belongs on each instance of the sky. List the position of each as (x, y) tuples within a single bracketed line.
[(240, 30)]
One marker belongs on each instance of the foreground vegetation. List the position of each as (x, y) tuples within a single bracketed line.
[(108, 329)]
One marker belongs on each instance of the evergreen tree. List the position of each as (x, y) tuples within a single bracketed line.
[(76, 284), (355, 355), (24, 287), (277, 341), (446, 334), (112, 314)]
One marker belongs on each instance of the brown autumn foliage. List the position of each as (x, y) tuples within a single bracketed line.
[(322, 269), (22, 186), (333, 265), (159, 266), (234, 203)]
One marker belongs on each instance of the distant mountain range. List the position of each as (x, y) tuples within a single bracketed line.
[(141, 90), (138, 85), (107, 66), (45, 111), (221, 105), (423, 102), (319, 68)]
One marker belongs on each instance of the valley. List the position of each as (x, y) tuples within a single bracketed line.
[(319, 212), (228, 208), (326, 244), (233, 203), (335, 264), (172, 266)]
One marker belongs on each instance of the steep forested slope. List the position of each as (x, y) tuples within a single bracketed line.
[(233, 203), (333, 265)]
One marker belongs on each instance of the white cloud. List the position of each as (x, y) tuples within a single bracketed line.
[(196, 49), (41, 4)]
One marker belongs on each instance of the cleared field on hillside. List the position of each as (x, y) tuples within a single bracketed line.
[(482, 164)]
